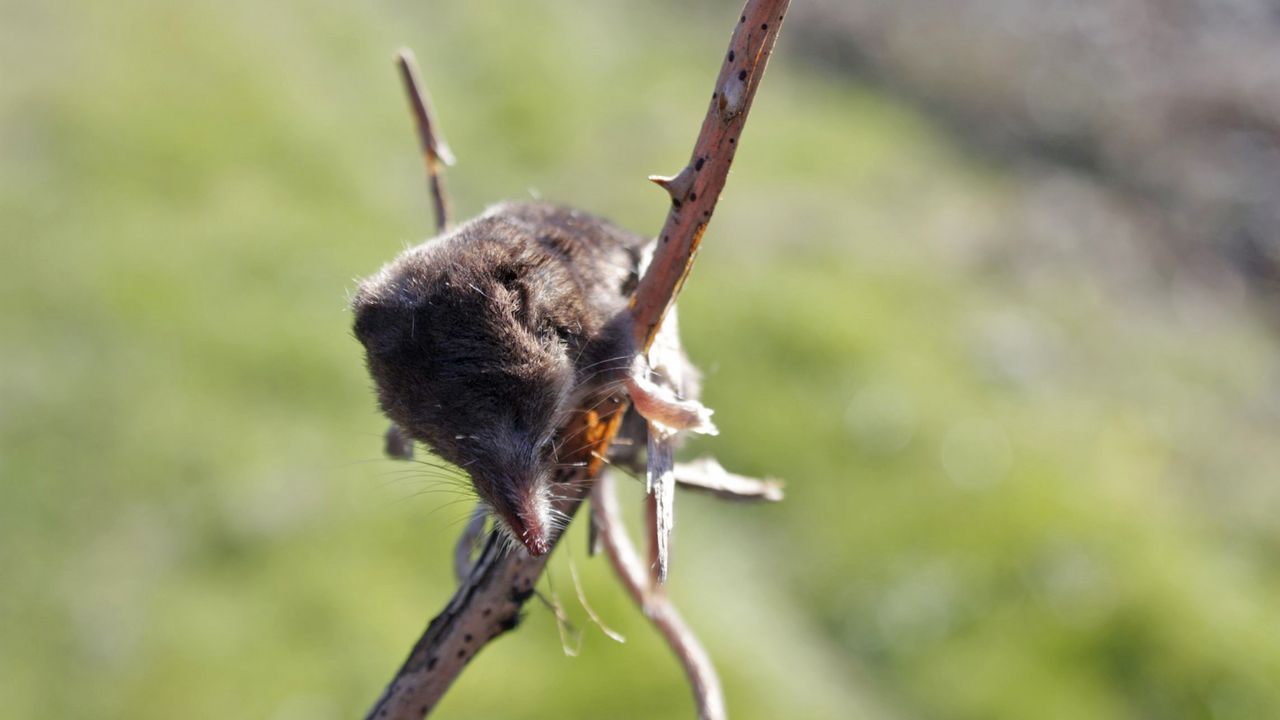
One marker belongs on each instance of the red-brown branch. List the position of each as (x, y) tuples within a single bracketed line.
[(488, 602), (696, 188)]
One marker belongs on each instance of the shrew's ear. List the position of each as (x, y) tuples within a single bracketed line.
[(382, 328), (515, 291)]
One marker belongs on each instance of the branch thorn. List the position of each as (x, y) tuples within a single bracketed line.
[(677, 186)]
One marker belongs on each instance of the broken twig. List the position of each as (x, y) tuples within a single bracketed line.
[(434, 150)]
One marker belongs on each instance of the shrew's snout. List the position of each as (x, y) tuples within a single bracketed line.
[(533, 535), (528, 520)]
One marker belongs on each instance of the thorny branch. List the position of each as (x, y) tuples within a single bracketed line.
[(696, 188), (487, 602)]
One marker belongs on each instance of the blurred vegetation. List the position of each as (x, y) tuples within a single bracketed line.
[(1013, 493), (1167, 108)]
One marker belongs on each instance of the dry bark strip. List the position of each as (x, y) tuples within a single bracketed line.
[(488, 602)]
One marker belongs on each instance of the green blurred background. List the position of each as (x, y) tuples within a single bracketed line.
[(1021, 484)]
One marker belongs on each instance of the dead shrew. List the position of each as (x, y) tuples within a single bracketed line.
[(482, 341)]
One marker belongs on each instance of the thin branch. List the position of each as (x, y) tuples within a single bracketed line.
[(434, 150), (488, 602), (707, 695), (709, 476), (696, 188), (484, 606), (658, 544), (662, 491), (706, 475)]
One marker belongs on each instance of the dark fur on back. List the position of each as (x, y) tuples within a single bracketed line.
[(481, 340)]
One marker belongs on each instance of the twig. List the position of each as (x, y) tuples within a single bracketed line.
[(658, 541), (488, 602), (706, 475), (696, 188), (484, 606), (661, 475), (434, 149), (655, 605), (709, 476)]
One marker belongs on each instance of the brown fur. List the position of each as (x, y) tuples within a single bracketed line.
[(481, 340)]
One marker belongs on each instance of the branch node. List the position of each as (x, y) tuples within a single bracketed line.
[(732, 98)]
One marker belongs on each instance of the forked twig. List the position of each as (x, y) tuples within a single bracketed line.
[(488, 602)]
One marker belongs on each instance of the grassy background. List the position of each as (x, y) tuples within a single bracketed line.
[(1012, 494)]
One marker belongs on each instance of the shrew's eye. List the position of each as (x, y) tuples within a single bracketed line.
[(547, 331)]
